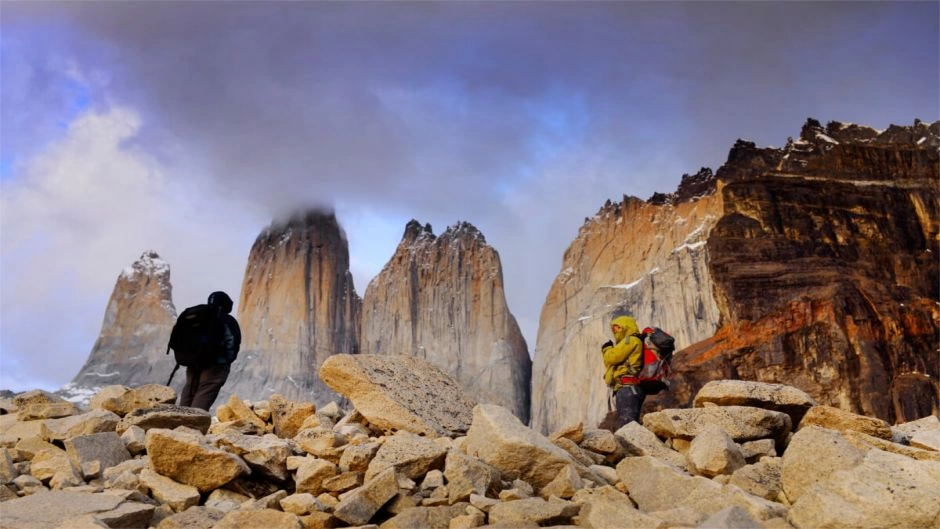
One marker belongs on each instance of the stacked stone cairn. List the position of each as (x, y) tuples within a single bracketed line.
[(415, 452)]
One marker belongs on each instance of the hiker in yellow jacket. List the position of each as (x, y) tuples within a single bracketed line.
[(623, 359)]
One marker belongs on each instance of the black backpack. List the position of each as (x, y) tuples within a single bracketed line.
[(197, 337)]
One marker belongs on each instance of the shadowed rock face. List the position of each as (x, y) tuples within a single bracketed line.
[(815, 266), (297, 307), (131, 348), (442, 299)]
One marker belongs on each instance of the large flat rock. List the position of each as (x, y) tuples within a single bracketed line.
[(742, 423), (49, 509), (400, 393), (778, 397)]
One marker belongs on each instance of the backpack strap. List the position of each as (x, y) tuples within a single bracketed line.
[(173, 373)]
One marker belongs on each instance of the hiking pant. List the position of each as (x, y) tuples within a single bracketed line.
[(203, 385), (629, 400)]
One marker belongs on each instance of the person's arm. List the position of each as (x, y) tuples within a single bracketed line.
[(628, 351), (231, 339)]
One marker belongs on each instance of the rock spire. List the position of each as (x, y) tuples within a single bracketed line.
[(442, 299), (131, 348), (297, 307)]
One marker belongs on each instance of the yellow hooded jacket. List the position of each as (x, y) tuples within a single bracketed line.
[(625, 357)]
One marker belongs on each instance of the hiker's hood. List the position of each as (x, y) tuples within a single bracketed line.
[(220, 299), (627, 327)]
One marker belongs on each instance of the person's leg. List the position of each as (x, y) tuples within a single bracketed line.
[(629, 403), (189, 389), (211, 380)]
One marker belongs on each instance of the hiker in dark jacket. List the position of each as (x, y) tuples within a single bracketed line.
[(623, 359), (203, 383)]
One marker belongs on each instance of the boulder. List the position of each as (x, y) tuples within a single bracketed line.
[(608, 508), (564, 486), (761, 479), (300, 503), (656, 485), (639, 441), (8, 471), (356, 457), (411, 455), (312, 473), (467, 475), (360, 505), (713, 452), (812, 456), (841, 420), (172, 454), (426, 517), (742, 423), (343, 482), (19, 429), (266, 455), (36, 396), (927, 439), (266, 518), (777, 397), (193, 518), (127, 514), (166, 417), (866, 442), (400, 393), (902, 433), (604, 442), (498, 438), (46, 410), (135, 440), (122, 400), (163, 489), (50, 509), (288, 416), (105, 448), (241, 411), (754, 450), (884, 490), (46, 464), (321, 442), (94, 421), (732, 517), (28, 447), (533, 511), (226, 500)]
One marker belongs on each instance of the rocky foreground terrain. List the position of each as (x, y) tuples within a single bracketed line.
[(415, 451)]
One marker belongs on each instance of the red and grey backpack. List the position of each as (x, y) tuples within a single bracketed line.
[(657, 357)]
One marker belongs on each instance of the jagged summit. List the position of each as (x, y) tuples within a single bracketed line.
[(150, 264), (415, 232), (805, 155)]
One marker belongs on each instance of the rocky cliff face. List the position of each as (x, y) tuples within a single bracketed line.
[(633, 257), (131, 349), (297, 307), (441, 299), (813, 265)]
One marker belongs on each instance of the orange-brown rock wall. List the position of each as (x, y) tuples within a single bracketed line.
[(297, 307)]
